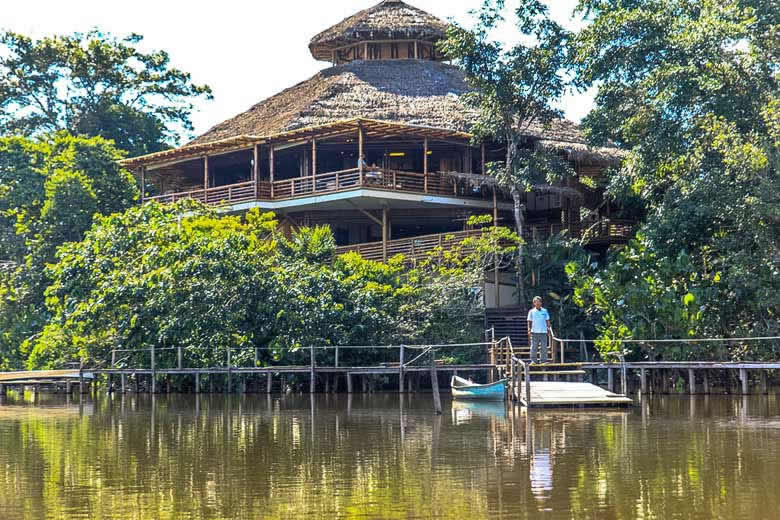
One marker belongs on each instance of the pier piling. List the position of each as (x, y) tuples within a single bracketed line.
[(435, 386)]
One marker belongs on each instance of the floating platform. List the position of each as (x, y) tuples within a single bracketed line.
[(563, 394)]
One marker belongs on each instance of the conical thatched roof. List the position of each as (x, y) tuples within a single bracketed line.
[(388, 20), (424, 93)]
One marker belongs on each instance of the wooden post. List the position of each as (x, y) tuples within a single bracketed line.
[(154, 372), (4, 390), (425, 165), (764, 383), (337, 357), (136, 383), (360, 152), (269, 382), (271, 169), (312, 375), (313, 160), (743, 375), (611, 379), (229, 388), (401, 372), (113, 367), (81, 376), (205, 173), (705, 382), (643, 380), (143, 184), (416, 53), (691, 381), (123, 378), (181, 357), (197, 382), (435, 384), (256, 169), (384, 234), (349, 383)]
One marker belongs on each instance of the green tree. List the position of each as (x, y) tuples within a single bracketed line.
[(52, 189), (97, 85), (692, 89), (515, 89), (181, 276)]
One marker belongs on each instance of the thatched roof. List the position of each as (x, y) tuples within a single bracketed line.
[(424, 93), (388, 20)]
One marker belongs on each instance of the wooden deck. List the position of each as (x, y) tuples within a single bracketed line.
[(563, 394), (42, 377)]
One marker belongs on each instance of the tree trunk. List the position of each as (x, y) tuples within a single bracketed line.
[(519, 214)]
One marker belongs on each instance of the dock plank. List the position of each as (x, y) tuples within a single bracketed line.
[(556, 393)]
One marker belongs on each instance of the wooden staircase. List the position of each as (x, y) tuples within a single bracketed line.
[(509, 322)]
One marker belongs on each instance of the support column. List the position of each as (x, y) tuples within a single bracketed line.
[(691, 381), (706, 382), (764, 383), (743, 375), (425, 165), (256, 169), (197, 382), (4, 390), (312, 375), (313, 159), (271, 170), (401, 372), (384, 234), (269, 382), (643, 380), (349, 383), (123, 378), (205, 173), (361, 159), (435, 385), (154, 372), (611, 379)]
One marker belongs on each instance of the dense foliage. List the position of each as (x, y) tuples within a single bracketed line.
[(96, 85), (51, 188), (151, 276), (691, 88), (515, 88)]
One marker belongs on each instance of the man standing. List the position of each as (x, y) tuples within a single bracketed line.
[(538, 325)]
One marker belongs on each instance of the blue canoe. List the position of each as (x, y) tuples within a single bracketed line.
[(464, 389)]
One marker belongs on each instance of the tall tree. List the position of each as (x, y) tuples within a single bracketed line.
[(96, 85), (514, 88), (691, 87)]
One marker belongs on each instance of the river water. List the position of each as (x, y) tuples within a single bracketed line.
[(385, 456)]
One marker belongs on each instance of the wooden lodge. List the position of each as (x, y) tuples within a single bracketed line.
[(389, 98)]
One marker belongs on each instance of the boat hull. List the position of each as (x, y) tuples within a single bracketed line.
[(462, 389)]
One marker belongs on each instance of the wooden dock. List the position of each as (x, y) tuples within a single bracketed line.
[(546, 394)]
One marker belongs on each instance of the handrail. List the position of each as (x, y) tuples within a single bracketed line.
[(526, 380)]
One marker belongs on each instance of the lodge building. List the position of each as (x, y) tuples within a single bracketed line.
[(391, 98)]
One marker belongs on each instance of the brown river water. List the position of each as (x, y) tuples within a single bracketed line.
[(386, 457)]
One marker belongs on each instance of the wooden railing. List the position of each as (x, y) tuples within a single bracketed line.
[(345, 180), (609, 231), (231, 194), (417, 248)]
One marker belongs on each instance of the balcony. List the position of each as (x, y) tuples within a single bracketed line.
[(439, 184)]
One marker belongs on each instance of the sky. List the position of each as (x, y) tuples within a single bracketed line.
[(245, 50)]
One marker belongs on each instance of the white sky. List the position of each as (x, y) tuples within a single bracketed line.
[(245, 50)]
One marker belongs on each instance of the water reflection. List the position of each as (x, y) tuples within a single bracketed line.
[(384, 456)]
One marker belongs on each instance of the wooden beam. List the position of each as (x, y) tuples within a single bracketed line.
[(384, 234), (205, 172), (361, 159), (483, 159), (416, 52), (271, 166), (256, 169), (314, 157), (425, 164), (374, 219)]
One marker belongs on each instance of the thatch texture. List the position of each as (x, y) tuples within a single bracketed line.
[(388, 20), (424, 93)]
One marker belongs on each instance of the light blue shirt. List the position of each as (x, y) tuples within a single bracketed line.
[(538, 319)]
